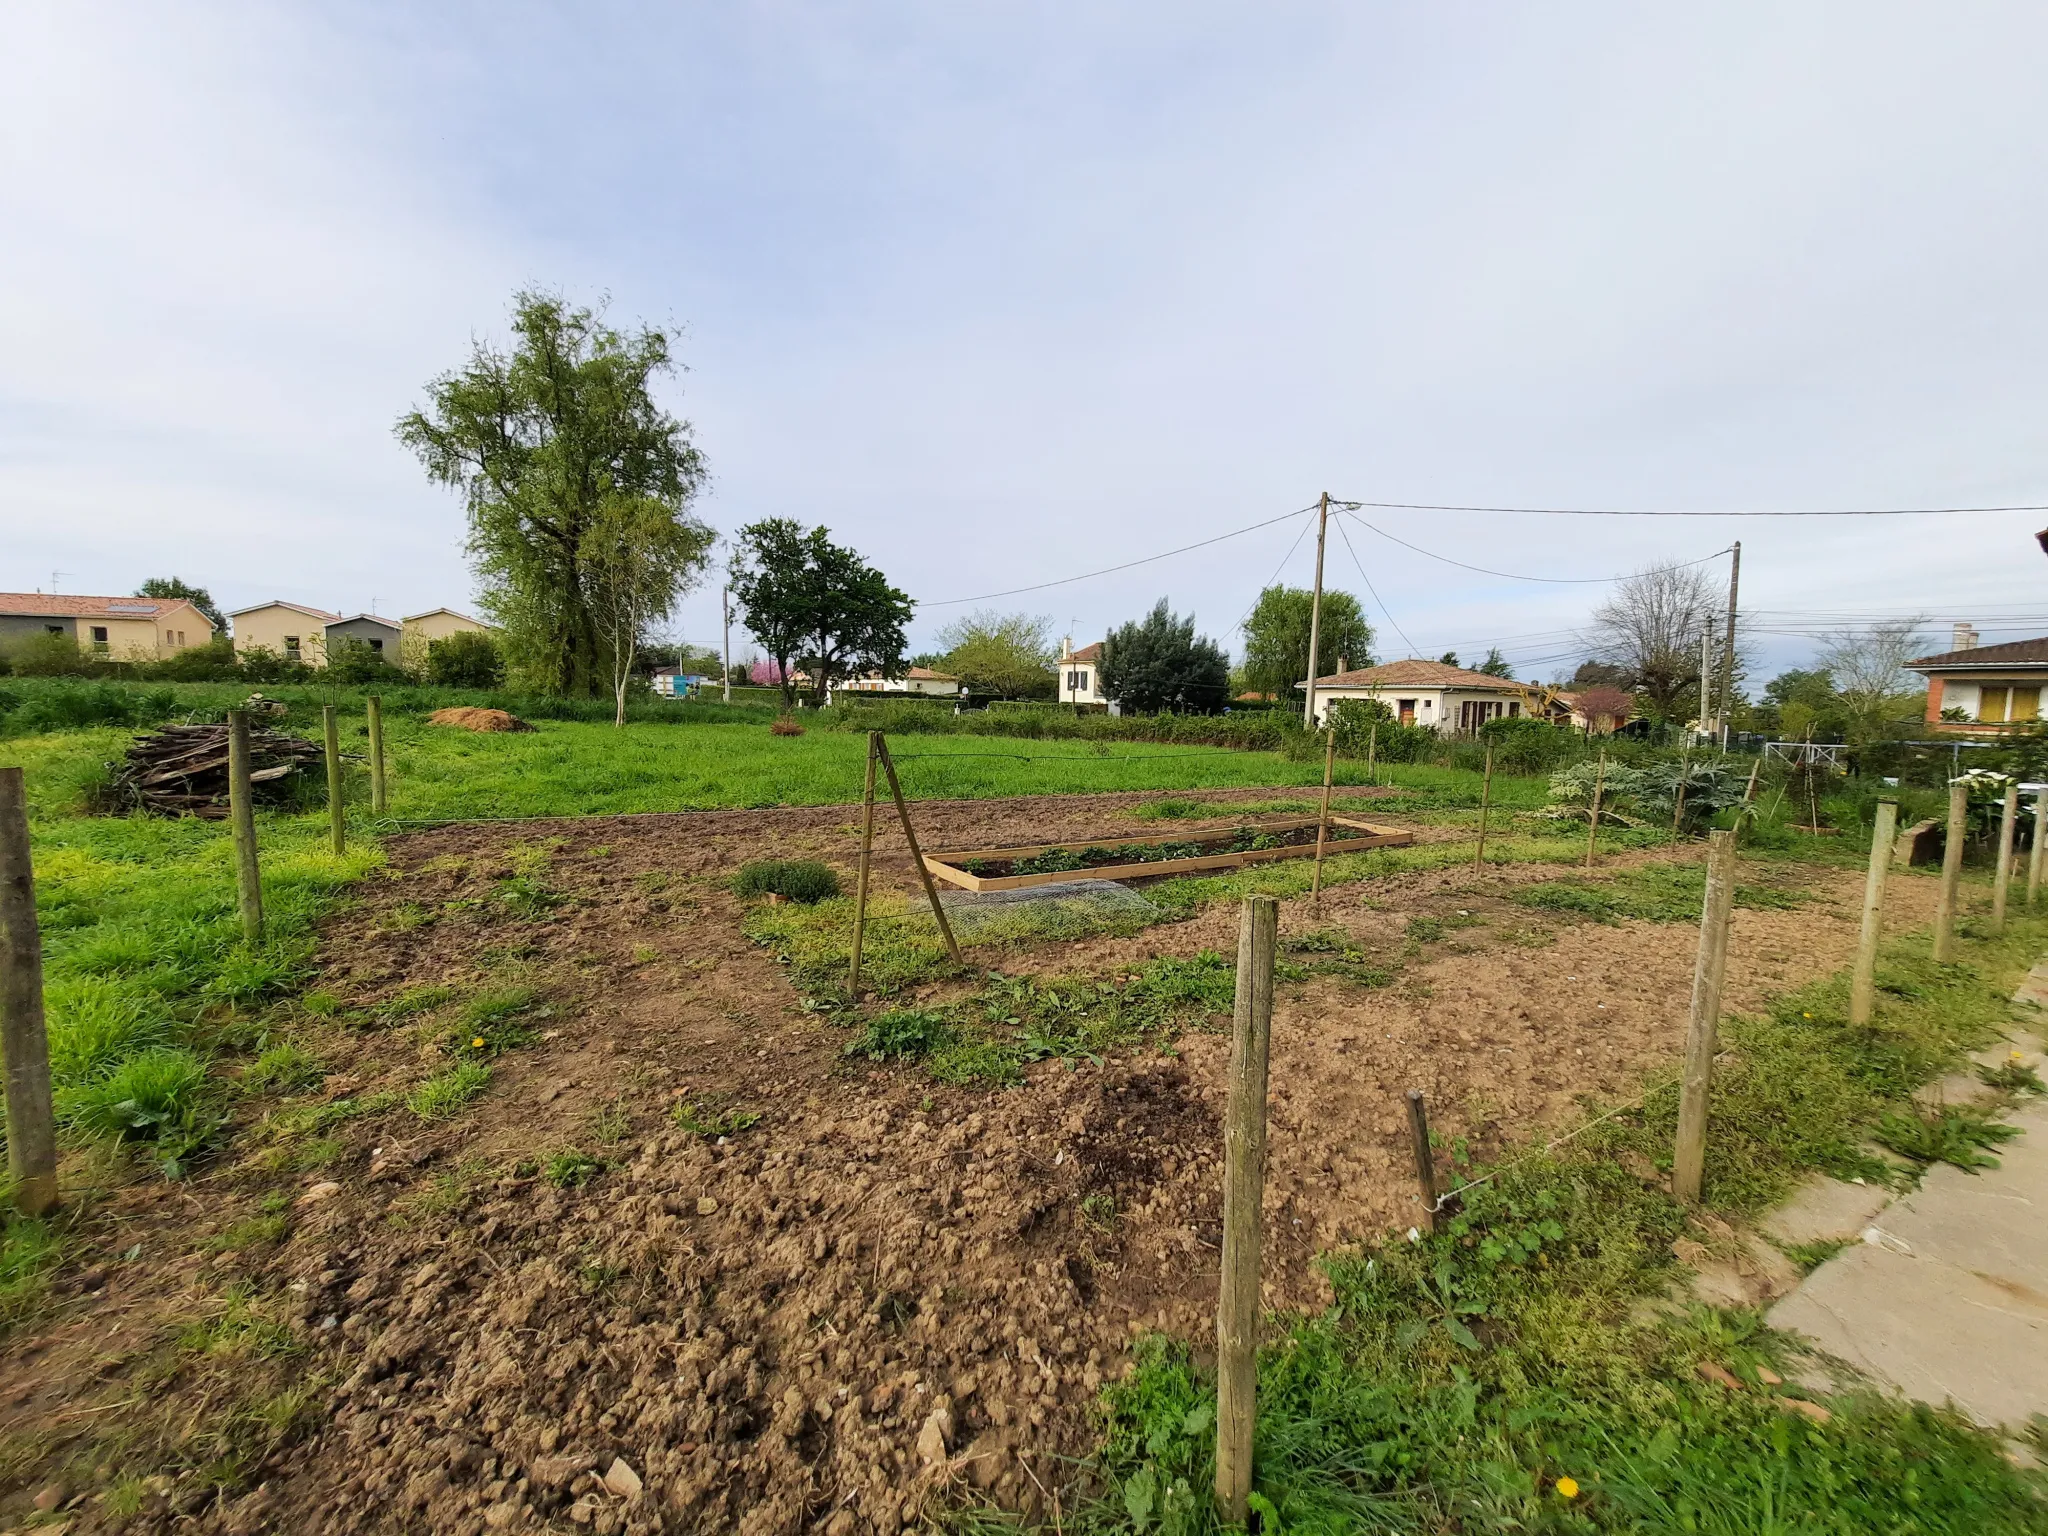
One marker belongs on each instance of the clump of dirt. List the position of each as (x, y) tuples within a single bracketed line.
[(469, 718)]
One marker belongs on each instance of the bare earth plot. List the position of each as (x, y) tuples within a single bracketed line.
[(886, 1284)]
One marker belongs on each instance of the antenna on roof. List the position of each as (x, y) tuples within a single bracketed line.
[(55, 577)]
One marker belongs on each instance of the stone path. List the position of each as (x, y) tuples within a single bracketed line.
[(1943, 1294)]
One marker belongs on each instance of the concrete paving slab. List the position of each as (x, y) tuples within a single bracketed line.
[(1930, 1331), (1825, 1210), (1958, 1088), (1946, 1298)]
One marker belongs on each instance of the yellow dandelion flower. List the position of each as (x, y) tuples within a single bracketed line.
[(477, 1044), (1567, 1488)]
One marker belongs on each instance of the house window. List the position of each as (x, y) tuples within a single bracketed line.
[(53, 629), (2008, 705), (99, 637), (291, 646), (376, 645), (1081, 681)]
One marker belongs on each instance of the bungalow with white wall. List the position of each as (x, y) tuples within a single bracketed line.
[(918, 680), (1454, 700), (1988, 687)]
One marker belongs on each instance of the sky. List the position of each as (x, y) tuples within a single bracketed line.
[(1003, 294)]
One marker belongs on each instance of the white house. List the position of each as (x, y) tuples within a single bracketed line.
[(1455, 700), (918, 680), (1081, 674)]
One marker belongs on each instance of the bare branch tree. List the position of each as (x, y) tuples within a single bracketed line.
[(1651, 625), (1868, 670)]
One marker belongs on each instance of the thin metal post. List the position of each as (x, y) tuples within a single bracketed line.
[(1244, 1179), (1315, 613)]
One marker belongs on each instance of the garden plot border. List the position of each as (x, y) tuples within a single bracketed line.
[(945, 863)]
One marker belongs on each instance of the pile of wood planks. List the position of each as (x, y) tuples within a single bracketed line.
[(182, 770)]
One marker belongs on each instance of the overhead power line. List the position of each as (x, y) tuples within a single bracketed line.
[(1108, 570), (1426, 506), (1375, 591), (1569, 581)]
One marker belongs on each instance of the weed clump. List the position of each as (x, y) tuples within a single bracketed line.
[(444, 1096), (804, 881)]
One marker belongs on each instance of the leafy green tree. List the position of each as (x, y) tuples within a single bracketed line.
[(1276, 638), (561, 452), (816, 605), (1495, 665), (1450, 659), (350, 660), (170, 587), (1157, 664), (468, 658), (1010, 655)]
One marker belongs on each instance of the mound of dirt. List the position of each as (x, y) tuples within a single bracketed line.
[(468, 718)]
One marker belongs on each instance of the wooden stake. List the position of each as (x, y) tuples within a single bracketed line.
[(337, 809), (1678, 800), (2001, 882), (2040, 847), (860, 887), (1593, 821), (1863, 980), (1323, 819), (24, 1039), (1372, 748), (242, 822), (917, 854), (376, 712), (1951, 872), (1244, 1180), (1425, 1159), (1703, 1024), (1485, 803)]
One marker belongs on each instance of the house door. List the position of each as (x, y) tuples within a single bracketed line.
[(1406, 711)]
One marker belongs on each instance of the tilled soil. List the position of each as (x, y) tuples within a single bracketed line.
[(886, 1290)]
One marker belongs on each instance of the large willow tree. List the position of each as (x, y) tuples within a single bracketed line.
[(578, 488)]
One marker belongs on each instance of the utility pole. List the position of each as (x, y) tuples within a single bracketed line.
[(1707, 725), (1315, 612), (1728, 645), (725, 606)]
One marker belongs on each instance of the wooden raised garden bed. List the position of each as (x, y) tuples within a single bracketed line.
[(1136, 858)]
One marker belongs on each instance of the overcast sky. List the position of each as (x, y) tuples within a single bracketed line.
[(1002, 294)]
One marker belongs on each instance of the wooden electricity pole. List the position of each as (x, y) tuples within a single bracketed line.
[(24, 1037), (1863, 980), (1244, 1181), (1315, 612), (242, 825), (1951, 872), (1728, 644)]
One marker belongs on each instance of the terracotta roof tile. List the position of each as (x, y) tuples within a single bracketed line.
[(66, 606), (2012, 653), (1416, 674)]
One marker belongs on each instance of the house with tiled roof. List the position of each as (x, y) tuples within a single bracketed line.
[(1081, 674), (288, 630), (920, 680), (1980, 690), (1433, 693), (118, 628)]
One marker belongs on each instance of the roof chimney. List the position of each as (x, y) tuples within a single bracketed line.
[(1343, 664), (1964, 638)]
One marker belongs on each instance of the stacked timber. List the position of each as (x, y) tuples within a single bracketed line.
[(182, 770)]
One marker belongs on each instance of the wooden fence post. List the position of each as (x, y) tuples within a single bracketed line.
[(376, 712), (24, 1041), (242, 822), (1372, 752), (867, 849), (916, 854), (1863, 981), (1425, 1159), (1323, 820), (337, 807), (1702, 1025), (2040, 845), (1485, 804), (1244, 1178), (1678, 799), (1951, 872), (2008, 829), (1593, 821)]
